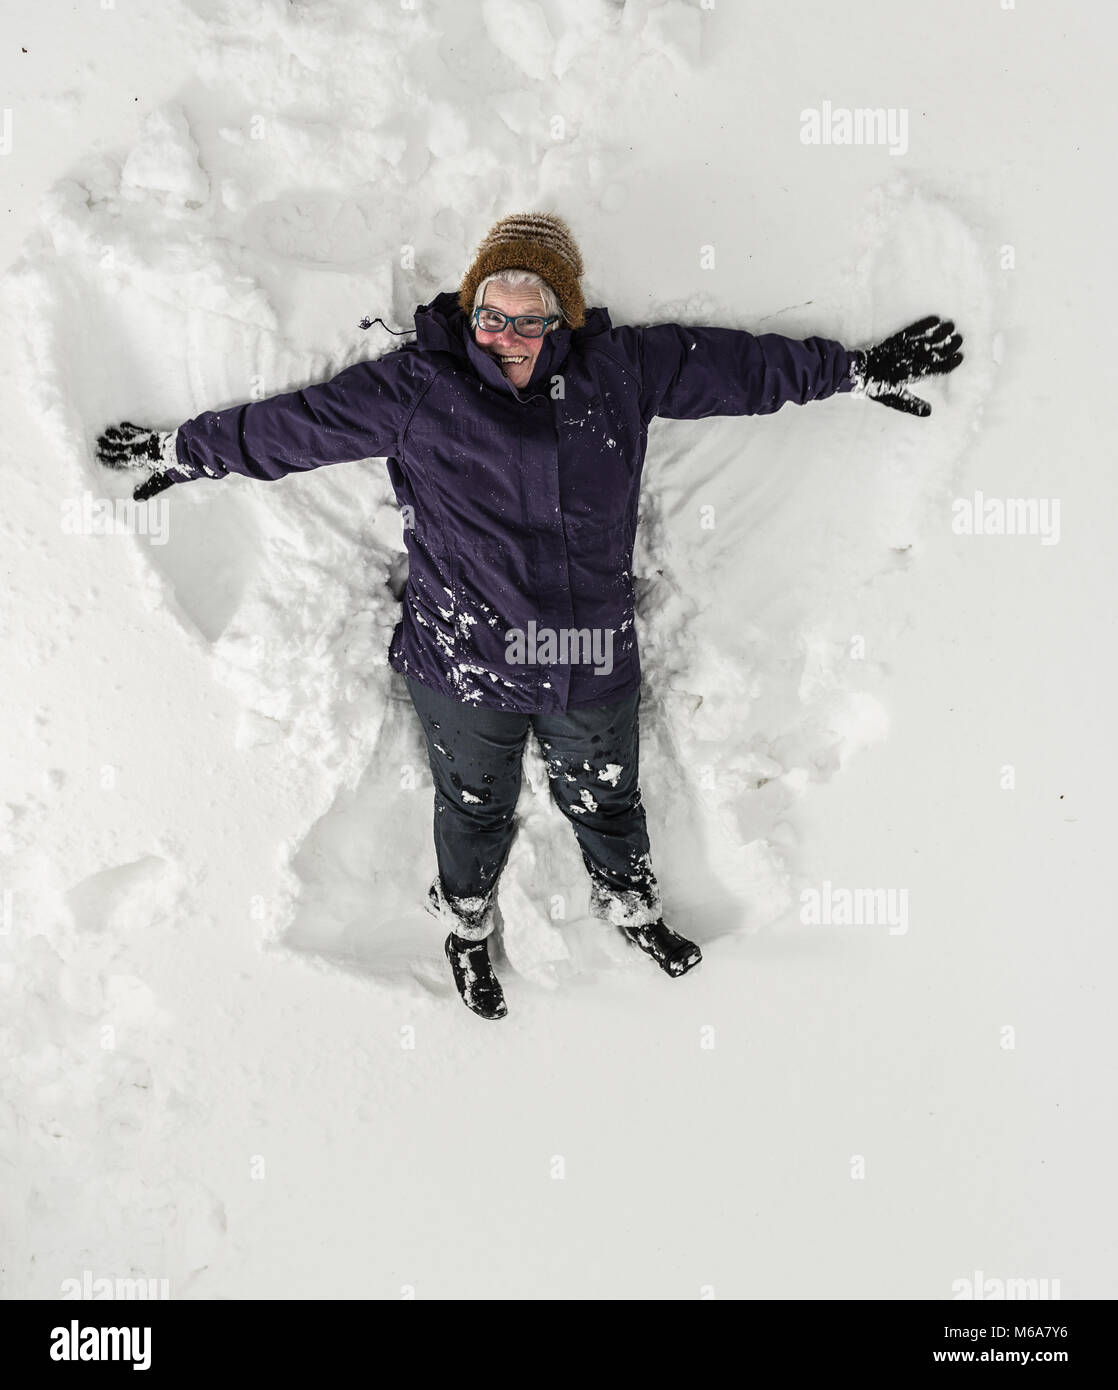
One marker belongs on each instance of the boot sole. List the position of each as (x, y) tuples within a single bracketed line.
[(680, 965)]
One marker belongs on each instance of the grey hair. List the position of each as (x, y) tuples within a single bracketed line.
[(516, 279)]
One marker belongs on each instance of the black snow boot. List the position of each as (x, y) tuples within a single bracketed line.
[(473, 974), (674, 954)]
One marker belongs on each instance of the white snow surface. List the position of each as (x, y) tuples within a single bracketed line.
[(234, 1056)]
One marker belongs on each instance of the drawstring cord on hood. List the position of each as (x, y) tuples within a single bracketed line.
[(400, 332)]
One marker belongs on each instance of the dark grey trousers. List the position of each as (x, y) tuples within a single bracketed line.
[(592, 763)]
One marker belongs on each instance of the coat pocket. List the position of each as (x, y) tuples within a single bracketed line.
[(603, 539), (598, 558)]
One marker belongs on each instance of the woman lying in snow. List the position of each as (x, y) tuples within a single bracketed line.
[(515, 429)]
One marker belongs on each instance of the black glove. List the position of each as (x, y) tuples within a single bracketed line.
[(134, 446), (929, 347)]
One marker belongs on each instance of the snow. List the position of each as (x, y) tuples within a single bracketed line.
[(165, 160), (232, 1037)]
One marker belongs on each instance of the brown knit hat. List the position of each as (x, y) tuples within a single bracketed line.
[(537, 241)]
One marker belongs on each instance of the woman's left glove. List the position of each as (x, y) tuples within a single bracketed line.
[(929, 347), (135, 446)]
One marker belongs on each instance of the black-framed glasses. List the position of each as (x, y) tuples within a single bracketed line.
[(524, 325)]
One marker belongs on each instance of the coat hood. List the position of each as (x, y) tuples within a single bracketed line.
[(441, 326)]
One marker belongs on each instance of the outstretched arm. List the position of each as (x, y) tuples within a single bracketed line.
[(357, 414), (689, 373)]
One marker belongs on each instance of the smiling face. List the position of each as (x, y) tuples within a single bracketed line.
[(516, 355)]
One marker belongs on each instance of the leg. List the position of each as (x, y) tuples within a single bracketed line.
[(475, 756), (592, 765)]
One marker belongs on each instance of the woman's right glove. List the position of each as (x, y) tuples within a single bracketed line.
[(134, 447)]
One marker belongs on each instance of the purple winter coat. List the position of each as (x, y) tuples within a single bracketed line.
[(523, 504)]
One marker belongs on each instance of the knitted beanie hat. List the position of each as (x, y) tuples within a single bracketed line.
[(537, 241)]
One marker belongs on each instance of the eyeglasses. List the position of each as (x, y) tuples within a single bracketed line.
[(524, 325)]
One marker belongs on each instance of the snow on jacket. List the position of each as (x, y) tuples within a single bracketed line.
[(522, 504)]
